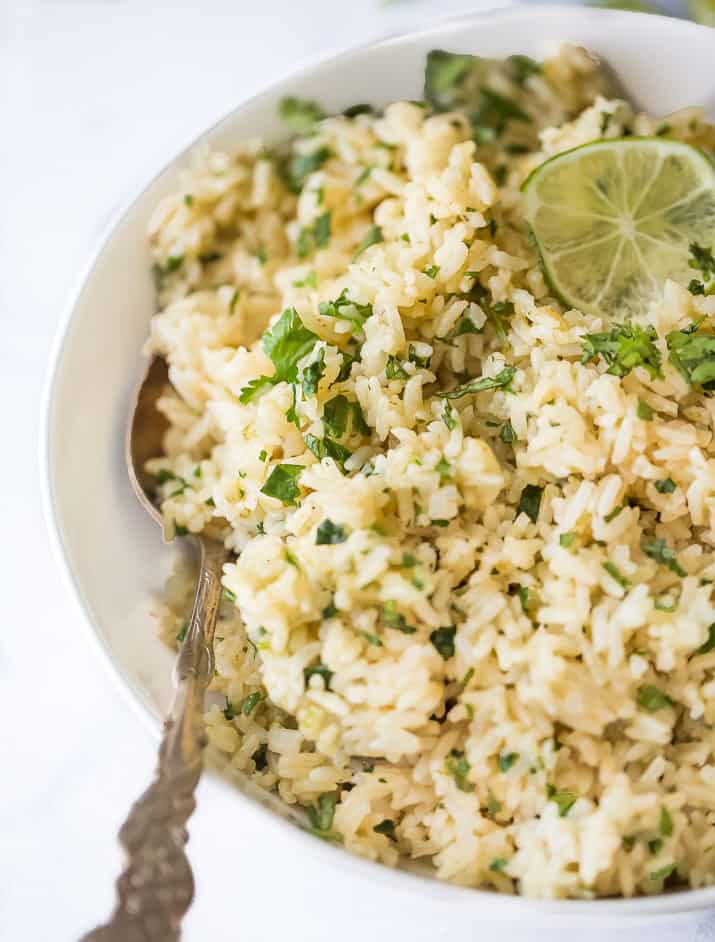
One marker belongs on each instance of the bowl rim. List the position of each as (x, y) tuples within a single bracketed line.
[(631, 910)]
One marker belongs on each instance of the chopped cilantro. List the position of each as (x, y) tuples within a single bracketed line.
[(443, 469), (263, 455), (261, 256), (228, 711), (458, 767), (386, 827), (250, 702), (421, 362), (173, 262), (318, 670), (180, 529), (624, 347), (330, 611), (500, 381), (613, 514), (299, 114), (439, 523), (329, 533), (327, 448), (285, 343), (310, 281), (663, 554), (372, 237), (302, 165), (344, 308), (644, 411), (260, 758), (448, 417), (692, 353), (444, 71), (313, 237), (563, 799), (394, 619), (181, 634), (665, 825), (507, 760), (363, 175), (507, 434), (394, 369), (313, 373), (234, 300), (322, 814), (664, 872), (359, 425), (652, 698), (282, 483), (615, 573), (188, 200), (665, 486), (443, 640), (228, 595), (431, 271), (498, 864), (335, 416), (530, 502), (566, 539), (709, 644)]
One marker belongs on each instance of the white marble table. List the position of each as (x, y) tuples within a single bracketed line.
[(94, 95)]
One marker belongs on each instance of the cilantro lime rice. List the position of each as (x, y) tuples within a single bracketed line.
[(469, 620)]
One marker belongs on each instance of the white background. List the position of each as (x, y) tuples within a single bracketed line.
[(95, 95)]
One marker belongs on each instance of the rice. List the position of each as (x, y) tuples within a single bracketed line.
[(442, 635)]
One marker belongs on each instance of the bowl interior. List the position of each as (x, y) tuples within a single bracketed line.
[(112, 551)]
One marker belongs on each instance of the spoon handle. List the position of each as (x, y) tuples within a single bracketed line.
[(156, 886)]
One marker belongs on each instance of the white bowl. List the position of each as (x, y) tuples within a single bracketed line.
[(110, 550)]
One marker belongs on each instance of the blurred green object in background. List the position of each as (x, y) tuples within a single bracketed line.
[(702, 11)]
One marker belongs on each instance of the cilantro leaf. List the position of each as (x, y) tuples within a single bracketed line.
[(500, 381), (285, 343), (372, 237), (709, 643), (563, 799), (507, 434), (394, 619), (458, 767), (624, 347), (313, 373), (329, 533), (327, 448), (665, 486), (443, 640), (615, 573), (663, 554), (282, 483), (322, 814), (507, 760), (335, 416), (313, 237), (302, 165), (250, 702), (386, 827), (652, 698), (692, 353), (344, 308), (394, 369), (300, 114), (448, 417), (318, 670), (530, 502)]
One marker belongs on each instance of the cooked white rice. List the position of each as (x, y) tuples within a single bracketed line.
[(554, 736)]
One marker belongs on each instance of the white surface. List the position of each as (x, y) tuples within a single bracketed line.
[(99, 95)]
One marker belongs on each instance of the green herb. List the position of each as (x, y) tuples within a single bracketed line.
[(692, 353), (313, 237), (530, 502), (263, 455), (354, 110), (615, 573), (709, 644), (260, 758), (494, 806), (443, 469), (613, 514), (665, 486), (448, 417), (566, 539), (188, 200), (408, 560), (458, 767), (664, 604), (327, 448), (652, 698), (330, 611), (302, 165), (299, 114), (319, 670), (344, 308), (363, 175), (313, 373), (173, 262), (164, 475), (624, 347), (507, 760), (500, 381), (701, 259), (322, 814), (498, 864), (394, 619), (465, 325), (507, 434), (372, 639), (439, 523), (443, 640), (286, 343), (228, 595), (655, 846), (421, 362), (282, 483), (499, 314), (523, 67), (251, 702), (665, 825), (394, 369), (386, 827), (335, 416), (359, 425), (431, 271), (628, 841), (372, 237), (291, 415), (180, 529), (644, 411), (261, 256), (443, 73), (664, 872), (329, 533), (310, 281), (228, 711), (564, 800), (663, 554), (606, 118), (523, 593), (181, 634)]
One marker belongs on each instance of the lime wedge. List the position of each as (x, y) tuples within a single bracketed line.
[(613, 219)]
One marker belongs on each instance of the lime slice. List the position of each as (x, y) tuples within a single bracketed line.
[(613, 219)]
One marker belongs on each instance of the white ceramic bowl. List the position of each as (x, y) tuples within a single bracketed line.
[(109, 549)]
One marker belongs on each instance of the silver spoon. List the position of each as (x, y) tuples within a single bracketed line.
[(156, 886)]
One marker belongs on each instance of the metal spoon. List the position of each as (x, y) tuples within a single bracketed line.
[(156, 886)]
